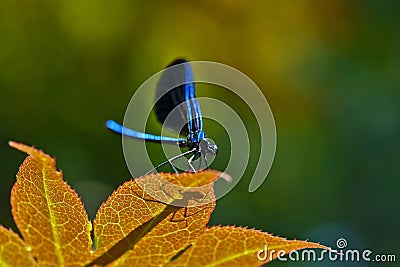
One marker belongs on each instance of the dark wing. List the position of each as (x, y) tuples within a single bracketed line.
[(187, 117)]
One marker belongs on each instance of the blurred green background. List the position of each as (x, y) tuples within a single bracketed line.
[(329, 70)]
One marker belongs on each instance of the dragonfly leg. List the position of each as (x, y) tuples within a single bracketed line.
[(173, 167), (190, 161), (170, 161), (158, 166)]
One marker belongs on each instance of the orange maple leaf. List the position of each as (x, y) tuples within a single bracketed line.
[(155, 220)]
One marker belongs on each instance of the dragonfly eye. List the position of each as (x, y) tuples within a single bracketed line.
[(208, 146)]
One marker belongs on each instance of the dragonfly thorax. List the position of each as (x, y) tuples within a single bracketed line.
[(194, 138)]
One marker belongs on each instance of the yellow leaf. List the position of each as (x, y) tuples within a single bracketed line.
[(13, 251), (235, 246), (49, 214), (135, 229), (155, 220)]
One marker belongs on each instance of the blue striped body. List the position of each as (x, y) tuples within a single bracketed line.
[(118, 128)]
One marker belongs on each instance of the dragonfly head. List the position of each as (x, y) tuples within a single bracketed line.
[(208, 147)]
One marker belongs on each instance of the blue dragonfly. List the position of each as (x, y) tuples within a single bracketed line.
[(179, 102)]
